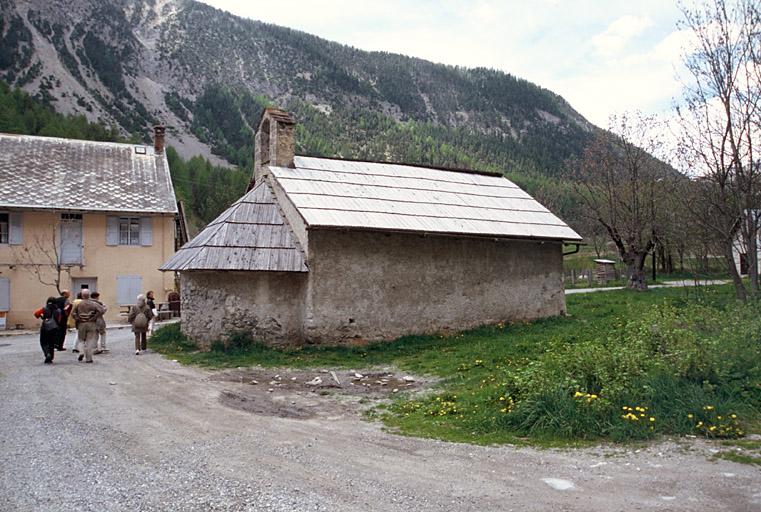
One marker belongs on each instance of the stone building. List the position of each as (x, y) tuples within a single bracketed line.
[(329, 250)]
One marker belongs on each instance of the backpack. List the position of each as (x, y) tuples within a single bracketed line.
[(141, 321), (50, 323)]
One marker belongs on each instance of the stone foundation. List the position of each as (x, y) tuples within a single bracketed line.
[(268, 305)]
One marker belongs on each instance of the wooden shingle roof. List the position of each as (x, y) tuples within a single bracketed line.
[(250, 235), (68, 174), (332, 193)]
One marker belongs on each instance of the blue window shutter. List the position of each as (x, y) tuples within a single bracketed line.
[(71, 242), (127, 289), (146, 230), (16, 231), (136, 287), (123, 290), (112, 230), (5, 294)]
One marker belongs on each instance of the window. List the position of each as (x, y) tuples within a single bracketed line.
[(4, 228), (129, 231)]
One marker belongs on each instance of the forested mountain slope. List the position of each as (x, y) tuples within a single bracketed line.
[(207, 74), (205, 189)]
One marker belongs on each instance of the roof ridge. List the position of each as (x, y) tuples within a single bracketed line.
[(407, 164), (86, 141)]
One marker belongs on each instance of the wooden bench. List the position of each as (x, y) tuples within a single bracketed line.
[(162, 311)]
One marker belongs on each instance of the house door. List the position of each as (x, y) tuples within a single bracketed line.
[(80, 283), (71, 239), (743, 263)]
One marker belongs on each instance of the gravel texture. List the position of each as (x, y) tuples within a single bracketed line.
[(142, 433)]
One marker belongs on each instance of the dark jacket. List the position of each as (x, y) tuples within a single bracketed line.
[(140, 307), (65, 306)]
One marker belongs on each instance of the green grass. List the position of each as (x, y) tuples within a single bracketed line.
[(665, 349), (740, 458), (747, 444), (744, 451)]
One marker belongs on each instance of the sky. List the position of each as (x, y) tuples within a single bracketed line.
[(603, 57)]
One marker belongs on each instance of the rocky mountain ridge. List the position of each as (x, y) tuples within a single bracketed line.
[(207, 74)]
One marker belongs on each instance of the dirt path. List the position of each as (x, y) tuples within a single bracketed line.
[(668, 284), (144, 433)]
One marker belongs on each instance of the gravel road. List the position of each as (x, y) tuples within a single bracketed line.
[(142, 433)]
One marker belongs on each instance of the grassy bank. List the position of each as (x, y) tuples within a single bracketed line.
[(622, 366)]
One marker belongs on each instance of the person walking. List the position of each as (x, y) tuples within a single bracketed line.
[(140, 316), (86, 314), (71, 323), (49, 330), (65, 307), (149, 299), (100, 324)]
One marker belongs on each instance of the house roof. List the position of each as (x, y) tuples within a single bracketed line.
[(331, 193), (250, 235), (66, 174)]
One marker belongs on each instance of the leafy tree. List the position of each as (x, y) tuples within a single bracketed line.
[(720, 120), (621, 183)]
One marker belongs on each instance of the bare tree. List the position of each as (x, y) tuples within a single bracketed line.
[(719, 124), (43, 259), (621, 183)]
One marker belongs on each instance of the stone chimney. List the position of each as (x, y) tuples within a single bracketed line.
[(158, 138), (274, 143)]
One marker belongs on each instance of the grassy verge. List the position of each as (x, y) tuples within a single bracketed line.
[(741, 451), (623, 366)]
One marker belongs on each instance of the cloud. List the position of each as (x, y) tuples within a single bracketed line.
[(619, 34)]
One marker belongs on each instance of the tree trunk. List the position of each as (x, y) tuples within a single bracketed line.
[(729, 257), (751, 235), (635, 270)]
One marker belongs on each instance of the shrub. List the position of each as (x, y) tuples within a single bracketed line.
[(169, 338), (235, 342)]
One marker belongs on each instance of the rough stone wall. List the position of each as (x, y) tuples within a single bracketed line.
[(269, 305), (381, 286), (282, 144)]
